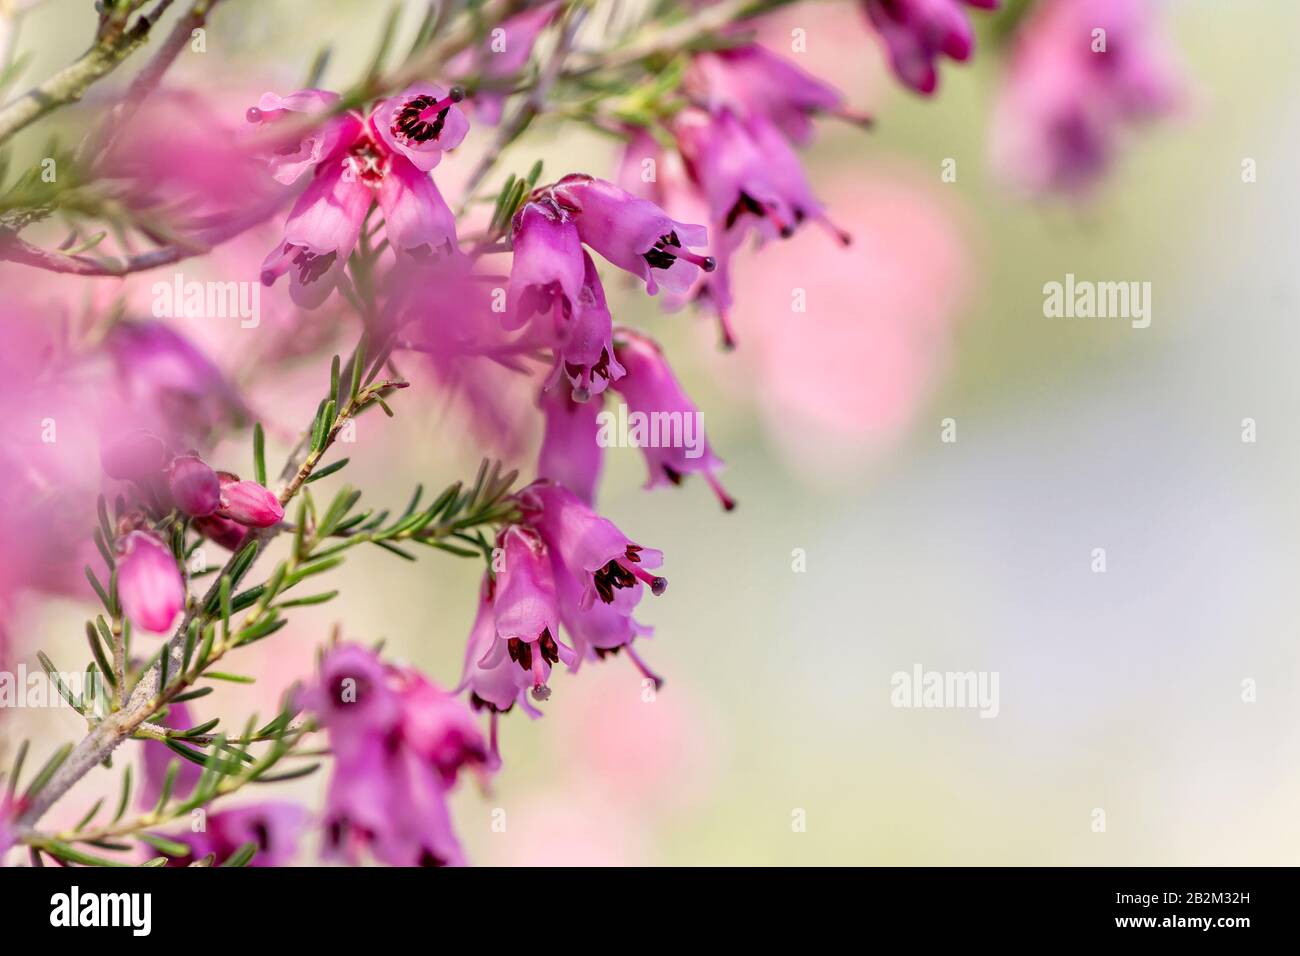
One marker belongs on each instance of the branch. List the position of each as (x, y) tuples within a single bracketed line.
[(145, 698), (113, 44)]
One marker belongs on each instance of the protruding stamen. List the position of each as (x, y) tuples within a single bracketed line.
[(707, 263), (494, 750), (728, 502), (841, 235), (645, 671), (724, 326), (253, 115), (656, 584)]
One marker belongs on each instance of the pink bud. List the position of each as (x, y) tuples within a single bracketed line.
[(249, 503), (194, 486), (133, 456), (149, 583), (229, 534)]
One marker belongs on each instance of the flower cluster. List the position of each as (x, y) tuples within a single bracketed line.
[(399, 743), (711, 131), (163, 486), (354, 161)]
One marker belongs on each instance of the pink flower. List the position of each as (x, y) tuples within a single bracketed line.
[(1071, 93), (225, 532), (751, 80), (149, 583), (194, 486), (291, 159), (274, 826), (652, 390), (605, 562), (597, 629), (320, 234), (526, 610), (634, 234), (570, 455), (917, 32), (398, 744), (546, 270), (586, 353), (170, 384), (385, 158), (438, 727), (497, 686), (249, 503), (417, 219), (421, 122)]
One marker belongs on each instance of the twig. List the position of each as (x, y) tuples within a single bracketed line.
[(114, 43)]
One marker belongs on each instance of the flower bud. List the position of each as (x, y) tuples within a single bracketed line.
[(149, 583), (249, 503), (229, 534), (194, 486)]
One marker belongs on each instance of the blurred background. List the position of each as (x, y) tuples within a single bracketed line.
[(863, 543)]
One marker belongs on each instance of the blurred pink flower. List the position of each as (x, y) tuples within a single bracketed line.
[(275, 827), (843, 345), (916, 33), (1081, 73), (398, 743)]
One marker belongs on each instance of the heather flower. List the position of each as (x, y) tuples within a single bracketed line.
[(420, 123), (916, 33), (546, 270), (194, 486), (170, 384), (149, 582), (634, 234), (749, 174), (498, 686), (751, 80), (289, 160), (660, 175), (274, 826), (526, 611), (417, 219), (1067, 101), (606, 564), (321, 232), (438, 727), (223, 531), (248, 503), (598, 629), (386, 158), (651, 389), (398, 743), (570, 454), (586, 353)]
